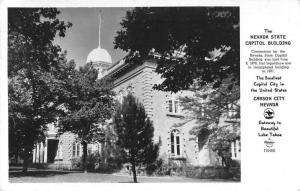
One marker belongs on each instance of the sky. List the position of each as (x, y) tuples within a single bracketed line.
[(82, 37)]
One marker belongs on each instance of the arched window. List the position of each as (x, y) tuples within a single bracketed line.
[(175, 143)]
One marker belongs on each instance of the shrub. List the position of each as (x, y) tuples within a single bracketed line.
[(96, 162), (76, 163), (180, 168), (155, 168), (163, 168), (213, 172)]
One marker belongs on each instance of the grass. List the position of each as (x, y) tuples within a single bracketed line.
[(49, 176)]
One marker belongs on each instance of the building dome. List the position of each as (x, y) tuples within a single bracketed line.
[(99, 55)]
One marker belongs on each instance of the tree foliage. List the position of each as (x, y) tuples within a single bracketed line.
[(111, 155), (30, 35), (135, 132), (37, 70), (217, 112), (89, 106), (196, 49), (191, 43)]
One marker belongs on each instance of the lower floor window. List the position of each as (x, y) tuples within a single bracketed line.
[(175, 143), (235, 149), (76, 149)]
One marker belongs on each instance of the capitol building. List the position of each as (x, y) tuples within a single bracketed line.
[(163, 109)]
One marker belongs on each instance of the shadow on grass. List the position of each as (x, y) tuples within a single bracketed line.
[(19, 174), (128, 182)]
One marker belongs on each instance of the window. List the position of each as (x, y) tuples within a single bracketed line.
[(176, 105), (89, 149), (76, 150), (203, 109), (99, 147), (235, 149), (173, 104), (175, 143), (170, 106), (232, 111)]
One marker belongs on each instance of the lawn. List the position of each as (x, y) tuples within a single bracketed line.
[(49, 176)]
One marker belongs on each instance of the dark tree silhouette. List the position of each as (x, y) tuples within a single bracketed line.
[(37, 71), (189, 43), (135, 132)]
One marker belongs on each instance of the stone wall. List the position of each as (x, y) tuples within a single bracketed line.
[(66, 140)]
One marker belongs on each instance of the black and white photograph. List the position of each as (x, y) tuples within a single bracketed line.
[(123, 94), (149, 95)]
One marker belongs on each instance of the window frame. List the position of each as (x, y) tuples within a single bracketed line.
[(174, 104), (76, 149), (235, 149), (175, 140)]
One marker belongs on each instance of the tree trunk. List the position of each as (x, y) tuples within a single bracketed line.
[(106, 152), (26, 159), (84, 157), (134, 172), (17, 156)]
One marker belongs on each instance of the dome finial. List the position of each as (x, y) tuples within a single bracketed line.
[(99, 28), (99, 55)]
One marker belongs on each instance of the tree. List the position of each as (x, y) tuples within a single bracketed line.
[(135, 132), (189, 43), (216, 111), (37, 70), (90, 105)]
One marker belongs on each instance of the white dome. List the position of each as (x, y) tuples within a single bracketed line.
[(99, 55)]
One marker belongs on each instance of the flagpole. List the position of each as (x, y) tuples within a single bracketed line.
[(100, 21)]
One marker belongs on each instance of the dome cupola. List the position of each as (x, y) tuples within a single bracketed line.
[(99, 57), (99, 54)]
